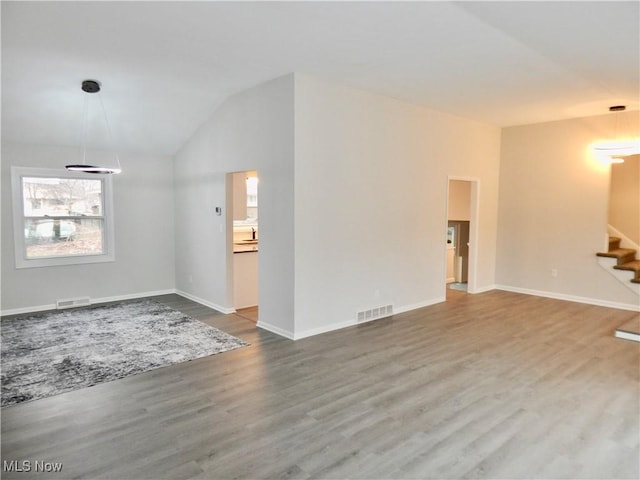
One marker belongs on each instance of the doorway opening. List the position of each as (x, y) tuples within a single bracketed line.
[(461, 237), (623, 216), (245, 242)]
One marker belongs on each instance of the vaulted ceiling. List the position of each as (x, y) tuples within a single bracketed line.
[(166, 66)]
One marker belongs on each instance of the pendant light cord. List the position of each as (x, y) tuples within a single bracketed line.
[(106, 121), (85, 121), (91, 87)]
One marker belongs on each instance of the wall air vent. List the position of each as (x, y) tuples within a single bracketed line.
[(72, 302), (374, 313)]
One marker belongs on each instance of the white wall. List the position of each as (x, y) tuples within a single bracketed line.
[(459, 200), (624, 198), (239, 205), (371, 178), (553, 210), (144, 240), (252, 130), (353, 208)]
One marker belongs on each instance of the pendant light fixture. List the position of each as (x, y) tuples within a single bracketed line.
[(91, 87), (615, 150)]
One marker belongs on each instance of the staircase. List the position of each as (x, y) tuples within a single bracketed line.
[(625, 258)]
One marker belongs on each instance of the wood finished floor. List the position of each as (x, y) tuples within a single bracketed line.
[(250, 313), (495, 385)]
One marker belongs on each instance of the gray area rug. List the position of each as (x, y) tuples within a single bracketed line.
[(48, 354)]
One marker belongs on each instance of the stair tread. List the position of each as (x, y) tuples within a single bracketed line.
[(614, 242), (625, 258), (617, 252), (633, 266)]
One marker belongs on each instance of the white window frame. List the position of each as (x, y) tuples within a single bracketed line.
[(108, 255)]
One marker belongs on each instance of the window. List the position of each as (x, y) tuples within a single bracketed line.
[(61, 218)]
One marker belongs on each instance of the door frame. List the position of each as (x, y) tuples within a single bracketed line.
[(474, 214), (229, 245)]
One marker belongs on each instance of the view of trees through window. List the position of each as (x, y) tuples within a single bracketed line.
[(62, 216)]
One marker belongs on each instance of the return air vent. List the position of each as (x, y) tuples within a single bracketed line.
[(72, 302), (374, 313)]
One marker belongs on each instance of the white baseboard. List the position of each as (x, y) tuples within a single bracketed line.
[(415, 306), (486, 288), (118, 298), (277, 330), (132, 296), (351, 323), (20, 311), (570, 298), (206, 303), (94, 301), (325, 329)]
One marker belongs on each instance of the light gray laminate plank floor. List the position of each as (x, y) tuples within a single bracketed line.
[(494, 385)]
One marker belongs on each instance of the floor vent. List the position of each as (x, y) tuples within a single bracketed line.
[(374, 313), (72, 302)]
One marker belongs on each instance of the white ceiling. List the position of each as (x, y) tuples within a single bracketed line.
[(166, 66)]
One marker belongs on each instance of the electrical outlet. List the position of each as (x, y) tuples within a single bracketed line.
[(554, 272)]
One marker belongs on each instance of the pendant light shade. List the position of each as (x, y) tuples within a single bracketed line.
[(93, 87), (92, 169)]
